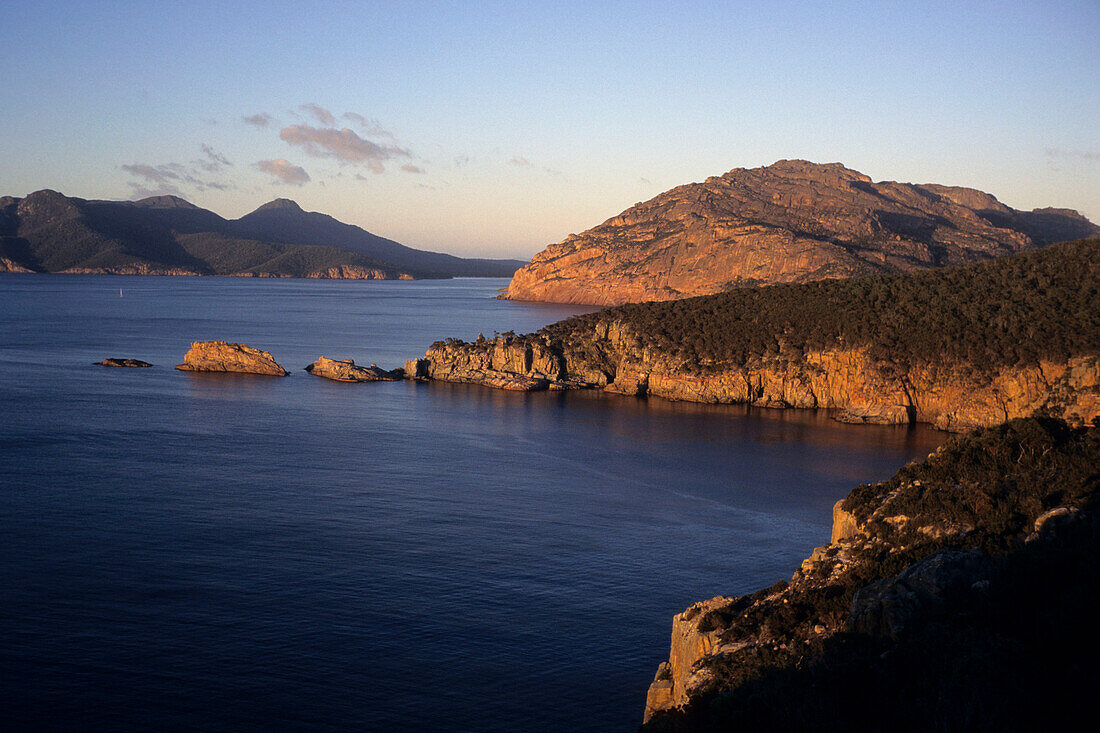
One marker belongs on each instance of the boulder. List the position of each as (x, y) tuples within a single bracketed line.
[(345, 370), (225, 356), (417, 369), (889, 607), (845, 524)]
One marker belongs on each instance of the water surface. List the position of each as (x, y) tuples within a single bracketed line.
[(230, 552)]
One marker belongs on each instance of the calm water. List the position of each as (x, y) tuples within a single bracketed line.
[(188, 551)]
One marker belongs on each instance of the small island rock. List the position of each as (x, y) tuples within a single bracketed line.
[(113, 362), (224, 356), (345, 370)]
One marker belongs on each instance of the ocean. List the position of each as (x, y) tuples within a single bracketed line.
[(227, 552)]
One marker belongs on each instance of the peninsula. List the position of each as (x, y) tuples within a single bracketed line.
[(958, 347)]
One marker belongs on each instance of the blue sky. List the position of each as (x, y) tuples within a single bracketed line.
[(497, 128)]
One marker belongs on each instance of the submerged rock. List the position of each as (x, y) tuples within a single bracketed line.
[(113, 362), (225, 356), (345, 370)]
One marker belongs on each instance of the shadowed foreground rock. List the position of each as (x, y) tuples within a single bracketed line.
[(345, 370), (962, 589), (112, 362), (225, 356)]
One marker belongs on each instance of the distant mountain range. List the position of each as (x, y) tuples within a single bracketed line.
[(165, 235), (793, 221)]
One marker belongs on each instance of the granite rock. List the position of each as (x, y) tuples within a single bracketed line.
[(225, 356)]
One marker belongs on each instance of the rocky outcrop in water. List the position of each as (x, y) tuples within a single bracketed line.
[(793, 221), (8, 265), (508, 362), (132, 363), (959, 579), (860, 388), (345, 370), (225, 356)]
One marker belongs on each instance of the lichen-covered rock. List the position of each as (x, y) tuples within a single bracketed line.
[(114, 362), (226, 356), (345, 370), (889, 607)]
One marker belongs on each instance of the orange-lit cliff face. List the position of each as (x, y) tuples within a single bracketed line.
[(793, 221)]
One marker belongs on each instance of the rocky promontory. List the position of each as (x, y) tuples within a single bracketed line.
[(793, 221), (958, 347), (964, 588), (510, 362), (225, 356), (345, 370)]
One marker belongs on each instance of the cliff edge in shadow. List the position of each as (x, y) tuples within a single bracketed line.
[(959, 595)]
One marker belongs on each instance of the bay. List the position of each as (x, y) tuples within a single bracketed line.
[(230, 552)]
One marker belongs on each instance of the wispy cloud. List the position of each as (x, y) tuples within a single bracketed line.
[(156, 180), (212, 161), (520, 162), (371, 128), (1081, 154), (321, 114), (343, 145), (263, 119), (410, 168), (285, 171), (173, 178)]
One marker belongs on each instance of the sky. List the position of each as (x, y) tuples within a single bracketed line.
[(494, 129)]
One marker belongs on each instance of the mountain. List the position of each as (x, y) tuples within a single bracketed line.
[(49, 232), (283, 220), (793, 221)]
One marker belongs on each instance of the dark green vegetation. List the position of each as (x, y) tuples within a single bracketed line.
[(1002, 312), (995, 481), (49, 232), (1011, 647)]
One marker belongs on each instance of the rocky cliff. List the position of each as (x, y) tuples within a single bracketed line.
[(793, 221), (860, 388), (957, 590), (957, 347)]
